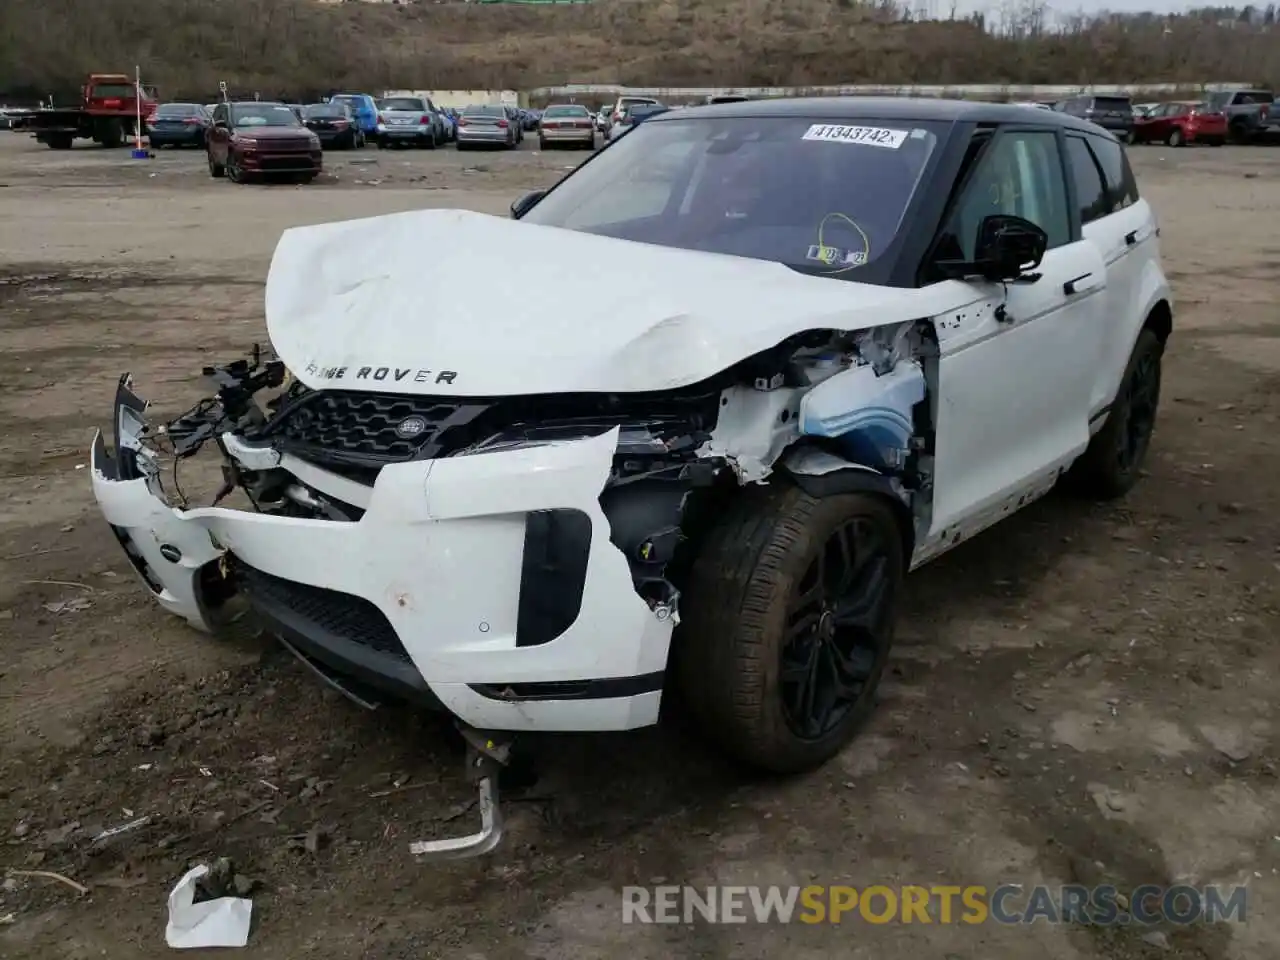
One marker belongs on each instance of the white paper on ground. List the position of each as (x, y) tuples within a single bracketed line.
[(223, 922)]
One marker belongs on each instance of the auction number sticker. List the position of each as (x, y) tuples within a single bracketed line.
[(871, 136)]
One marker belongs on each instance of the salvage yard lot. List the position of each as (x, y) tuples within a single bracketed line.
[(1086, 694)]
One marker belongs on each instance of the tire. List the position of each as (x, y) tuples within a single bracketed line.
[(1176, 138), (60, 141), (1131, 137), (305, 178), (234, 173), (110, 134), (1238, 133), (382, 144), (542, 144), (216, 170), (755, 564), (1112, 463), (1216, 142)]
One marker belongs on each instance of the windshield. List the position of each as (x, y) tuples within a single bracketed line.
[(171, 111), (402, 103), (565, 111), (123, 91), (335, 110), (263, 115), (820, 198)]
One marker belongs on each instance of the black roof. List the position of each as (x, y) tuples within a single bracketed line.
[(886, 108)]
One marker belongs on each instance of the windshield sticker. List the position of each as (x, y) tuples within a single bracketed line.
[(871, 136), (836, 256)]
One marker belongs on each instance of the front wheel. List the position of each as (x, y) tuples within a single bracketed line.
[(788, 621), (235, 173), (216, 170), (1176, 137), (1112, 463)]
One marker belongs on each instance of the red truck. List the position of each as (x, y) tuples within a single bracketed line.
[(107, 114)]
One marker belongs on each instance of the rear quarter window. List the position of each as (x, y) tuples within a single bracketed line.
[(1122, 186), (1091, 193)]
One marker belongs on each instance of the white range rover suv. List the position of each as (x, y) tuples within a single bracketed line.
[(857, 332)]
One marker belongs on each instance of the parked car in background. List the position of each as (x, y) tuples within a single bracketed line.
[(619, 105), (1114, 113), (1179, 124), (449, 122), (633, 114), (486, 125), (333, 124), (178, 125), (513, 116), (249, 140), (567, 123), (409, 121), (364, 108), (1252, 114)]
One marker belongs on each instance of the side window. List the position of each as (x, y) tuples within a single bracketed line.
[(1019, 174), (1091, 192), (1122, 187)]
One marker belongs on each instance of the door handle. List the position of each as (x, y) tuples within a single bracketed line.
[(1069, 288), (1131, 238)]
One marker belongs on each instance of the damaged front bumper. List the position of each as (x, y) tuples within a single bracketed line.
[(484, 583)]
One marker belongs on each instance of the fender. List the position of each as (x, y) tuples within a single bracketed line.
[(822, 474)]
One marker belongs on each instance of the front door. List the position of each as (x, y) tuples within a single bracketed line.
[(1016, 370)]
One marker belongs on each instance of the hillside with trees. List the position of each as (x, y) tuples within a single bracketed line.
[(302, 47)]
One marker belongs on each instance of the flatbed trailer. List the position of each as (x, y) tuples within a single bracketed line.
[(108, 114)]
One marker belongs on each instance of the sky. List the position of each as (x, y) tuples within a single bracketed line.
[(942, 7)]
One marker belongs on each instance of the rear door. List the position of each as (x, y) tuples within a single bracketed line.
[(1015, 376), (1124, 230)]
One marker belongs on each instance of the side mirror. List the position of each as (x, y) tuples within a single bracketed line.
[(1008, 246), (525, 203)]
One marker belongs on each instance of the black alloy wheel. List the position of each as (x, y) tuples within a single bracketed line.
[(1138, 412), (838, 629)]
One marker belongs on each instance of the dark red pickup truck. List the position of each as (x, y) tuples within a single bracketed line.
[(107, 114)]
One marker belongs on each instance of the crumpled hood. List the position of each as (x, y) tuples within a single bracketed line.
[(450, 302)]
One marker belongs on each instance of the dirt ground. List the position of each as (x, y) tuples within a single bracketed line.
[(1084, 694)]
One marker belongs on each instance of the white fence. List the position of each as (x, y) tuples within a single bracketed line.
[(980, 91), (460, 98)]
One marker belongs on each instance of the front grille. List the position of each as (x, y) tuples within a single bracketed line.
[(317, 611), (286, 162), (347, 428)]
